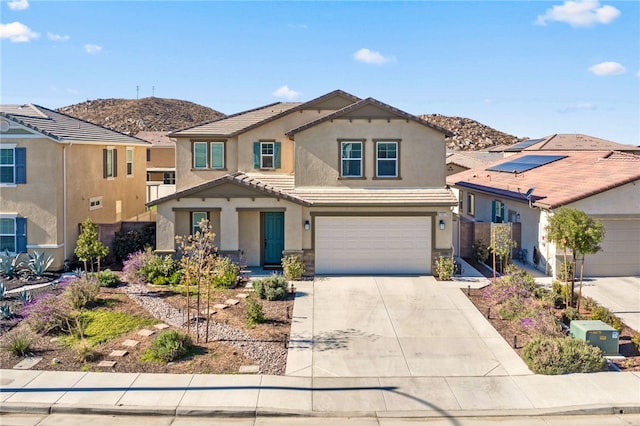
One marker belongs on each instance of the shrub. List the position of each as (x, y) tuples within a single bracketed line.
[(84, 352), (480, 251), (125, 243), (226, 273), (519, 286), (565, 271), (255, 313), (3, 290), (106, 278), (445, 266), (10, 265), (571, 314), (588, 303), (18, 342), (168, 346), (38, 264), (605, 315), (6, 312), (635, 340), (292, 267), (81, 292), (271, 288), (540, 322), (562, 355), (150, 268), (47, 313)]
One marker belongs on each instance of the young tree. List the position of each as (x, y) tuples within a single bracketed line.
[(198, 260), (501, 244), (88, 246), (573, 230)]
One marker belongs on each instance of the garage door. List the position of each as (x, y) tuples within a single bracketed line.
[(373, 245), (620, 255)]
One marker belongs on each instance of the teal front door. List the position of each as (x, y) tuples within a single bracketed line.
[(273, 226)]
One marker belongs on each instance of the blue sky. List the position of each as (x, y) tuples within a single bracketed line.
[(529, 68)]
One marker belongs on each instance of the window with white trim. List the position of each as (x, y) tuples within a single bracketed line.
[(267, 152), (13, 167), (196, 218), (471, 204), (386, 159), (129, 161), (95, 203), (110, 163), (7, 235), (169, 178), (351, 159)]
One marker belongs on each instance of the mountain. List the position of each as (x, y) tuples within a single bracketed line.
[(469, 135), (147, 114)]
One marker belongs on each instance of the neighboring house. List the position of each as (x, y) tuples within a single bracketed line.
[(349, 185), (161, 164), (527, 188), (459, 161), (566, 142), (56, 171)]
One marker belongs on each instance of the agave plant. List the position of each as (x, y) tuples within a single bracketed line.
[(25, 296), (3, 290), (9, 265), (6, 312), (38, 263)]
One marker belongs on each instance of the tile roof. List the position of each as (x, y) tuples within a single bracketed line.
[(472, 159), (569, 142), (579, 175), (62, 127), (157, 139)]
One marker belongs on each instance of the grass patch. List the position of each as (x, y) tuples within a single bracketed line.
[(101, 325)]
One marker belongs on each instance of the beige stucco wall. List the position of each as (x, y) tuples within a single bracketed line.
[(422, 153), (162, 157), (623, 200)]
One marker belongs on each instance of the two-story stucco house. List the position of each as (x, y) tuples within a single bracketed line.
[(351, 185), (56, 171)]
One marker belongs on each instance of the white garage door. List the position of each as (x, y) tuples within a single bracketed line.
[(620, 255), (373, 245)]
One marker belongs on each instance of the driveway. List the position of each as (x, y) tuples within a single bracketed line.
[(621, 295), (393, 327)]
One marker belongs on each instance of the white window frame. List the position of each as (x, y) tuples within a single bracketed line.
[(395, 160), (13, 235), (265, 156), (111, 173), (9, 147), (129, 161), (471, 204), (195, 227), (169, 178), (211, 145), (95, 203), (350, 159)]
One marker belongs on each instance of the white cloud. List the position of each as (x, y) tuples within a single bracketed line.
[(18, 4), (586, 106), (285, 92), (607, 68), (17, 32), (581, 13), (58, 37), (372, 57), (92, 48)]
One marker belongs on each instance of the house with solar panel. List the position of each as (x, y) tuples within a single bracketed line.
[(350, 185), (526, 188), (56, 171)]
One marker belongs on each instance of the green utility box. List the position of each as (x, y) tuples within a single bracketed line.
[(596, 333)]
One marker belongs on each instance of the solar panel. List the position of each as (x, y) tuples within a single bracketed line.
[(522, 145), (525, 163)]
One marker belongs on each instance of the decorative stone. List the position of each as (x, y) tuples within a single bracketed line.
[(118, 353), (220, 306), (27, 363), (146, 333), (161, 326), (130, 343), (242, 295), (249, 369), (232, 302), (107, 364)]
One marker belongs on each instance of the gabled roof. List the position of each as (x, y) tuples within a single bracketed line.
[(472, 159), (237, 178), (157, 139), (569, 142), (368, 109), (235, 124), (578, 175), (64, 128), (378, 197)]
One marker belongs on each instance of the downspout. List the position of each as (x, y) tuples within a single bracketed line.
[(64, 200)]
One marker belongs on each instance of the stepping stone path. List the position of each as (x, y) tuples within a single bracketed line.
[(118, 353), (220, 306), (249, 369), (231, 302), (107, 364), (161, 326), (130, 343), (146, 333), (242, 295), (27, 363)]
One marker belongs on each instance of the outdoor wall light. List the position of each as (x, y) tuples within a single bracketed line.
[(441, 225), (307, 225)]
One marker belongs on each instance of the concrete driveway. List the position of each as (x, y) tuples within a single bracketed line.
[(393, 327), (621, 295)]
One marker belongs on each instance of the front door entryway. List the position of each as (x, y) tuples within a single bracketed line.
[(273, 226)]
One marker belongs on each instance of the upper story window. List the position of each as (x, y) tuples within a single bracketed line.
[(129, 161), (351, 158), (169, 178), (13, 165), (471, 204), (266, 155), (148, 154), (110, 162), (208, 155), (387, 159)]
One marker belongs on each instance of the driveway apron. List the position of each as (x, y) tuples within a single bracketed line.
[(398, 327)]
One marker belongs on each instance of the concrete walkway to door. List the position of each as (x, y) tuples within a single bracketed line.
[(393, 327)]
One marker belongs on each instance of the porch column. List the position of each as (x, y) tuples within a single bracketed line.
[(165, 229), (293, 228), (229, 231)]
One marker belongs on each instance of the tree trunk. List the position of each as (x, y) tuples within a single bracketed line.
[(580, 288)]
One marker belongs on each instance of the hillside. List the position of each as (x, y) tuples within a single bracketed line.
[(147, 114), (469, 135)]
